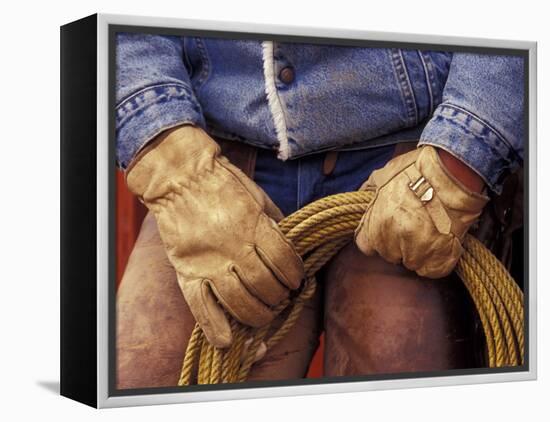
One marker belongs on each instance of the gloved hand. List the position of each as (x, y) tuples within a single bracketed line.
[(419, 215), (219, 231)]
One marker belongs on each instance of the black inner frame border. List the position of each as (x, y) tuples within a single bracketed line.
[(113, 29)]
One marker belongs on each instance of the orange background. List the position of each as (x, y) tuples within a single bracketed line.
[(129, 216)]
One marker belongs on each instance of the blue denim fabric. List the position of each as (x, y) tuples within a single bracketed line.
[(481, 117), (341, 97), (295, 183)]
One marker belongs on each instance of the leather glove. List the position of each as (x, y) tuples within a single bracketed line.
[(419, 215), (218, 229)]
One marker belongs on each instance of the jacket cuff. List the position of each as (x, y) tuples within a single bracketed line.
[(147, 113), (473, 141)]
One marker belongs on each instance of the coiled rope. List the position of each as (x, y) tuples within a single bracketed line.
[(319, 231)]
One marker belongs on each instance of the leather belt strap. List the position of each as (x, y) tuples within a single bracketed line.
[(404, 147), (239, 154), (330, 162)]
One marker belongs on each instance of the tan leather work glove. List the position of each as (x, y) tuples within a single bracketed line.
[(218, 229), (419, 215)]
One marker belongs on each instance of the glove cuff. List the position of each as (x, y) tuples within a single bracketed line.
[(450, 190), (165, 157)]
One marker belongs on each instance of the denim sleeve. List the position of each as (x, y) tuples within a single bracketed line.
[(480, 120), (153, 91)]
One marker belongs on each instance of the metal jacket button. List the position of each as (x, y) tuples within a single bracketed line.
[(286, 75)]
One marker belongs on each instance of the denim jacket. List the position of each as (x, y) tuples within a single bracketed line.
[(304, 98)]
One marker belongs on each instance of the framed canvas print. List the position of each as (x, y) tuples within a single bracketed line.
[(252, 210)]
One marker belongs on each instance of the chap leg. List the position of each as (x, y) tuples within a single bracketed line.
[(382, 318), (154, 324)]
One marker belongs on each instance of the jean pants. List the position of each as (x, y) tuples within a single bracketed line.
[(295, 183)]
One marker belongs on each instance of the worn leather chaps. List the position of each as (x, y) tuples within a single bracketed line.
[(378, 318)]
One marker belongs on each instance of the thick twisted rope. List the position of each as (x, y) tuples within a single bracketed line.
[(318, 232)]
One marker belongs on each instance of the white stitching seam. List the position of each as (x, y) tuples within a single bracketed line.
[(428, 81)]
